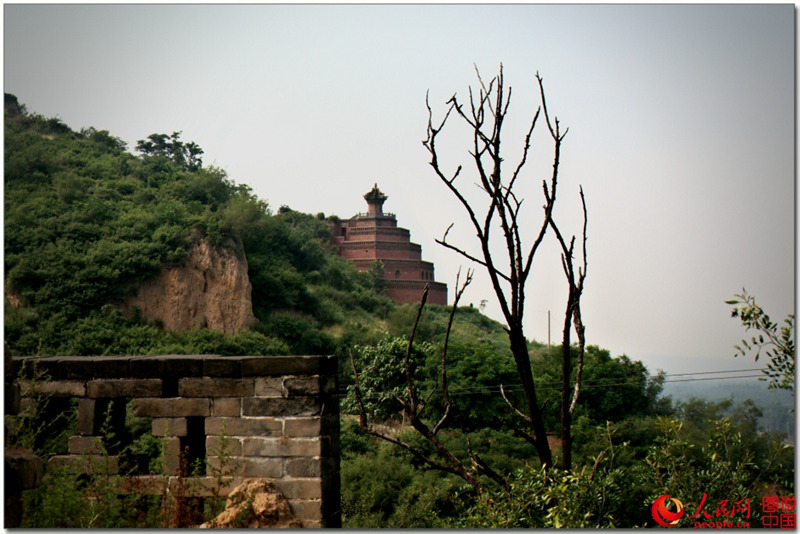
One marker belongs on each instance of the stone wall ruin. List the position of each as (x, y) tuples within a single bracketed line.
[(279, 416)]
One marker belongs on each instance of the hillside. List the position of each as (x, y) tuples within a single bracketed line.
[(92, 231), (108, 252)]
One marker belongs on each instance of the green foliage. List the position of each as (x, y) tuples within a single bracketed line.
[(381, 489), (613, 388), (376, 272), (382, 375), (777, 344), (187, 155), (617, 486), (86, 223)]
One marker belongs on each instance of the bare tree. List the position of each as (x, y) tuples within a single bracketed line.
[(571, 314), (485, 117), (484, 114)]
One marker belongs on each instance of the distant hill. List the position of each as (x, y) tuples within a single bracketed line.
[(774, 404)]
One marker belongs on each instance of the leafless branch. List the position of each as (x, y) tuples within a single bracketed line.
[(519, 413), (502, 218), (572, 314)]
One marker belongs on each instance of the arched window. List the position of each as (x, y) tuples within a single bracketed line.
[(397, 275)]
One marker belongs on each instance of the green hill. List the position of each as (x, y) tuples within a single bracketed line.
[(87, 222)]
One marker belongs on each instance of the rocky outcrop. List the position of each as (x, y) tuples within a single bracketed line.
[(255, 504), (210, 289)]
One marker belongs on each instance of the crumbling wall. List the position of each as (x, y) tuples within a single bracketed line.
[(279, 414)]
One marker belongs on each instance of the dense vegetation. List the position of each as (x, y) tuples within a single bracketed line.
[(86, 222)]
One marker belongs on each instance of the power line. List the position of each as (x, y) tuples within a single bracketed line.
[(590, 384)]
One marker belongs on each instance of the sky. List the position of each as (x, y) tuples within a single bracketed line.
[(681, 132)]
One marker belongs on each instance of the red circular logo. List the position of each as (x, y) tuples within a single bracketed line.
[(663, 515)]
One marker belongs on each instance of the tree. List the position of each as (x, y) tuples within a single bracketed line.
[(501, 217), (406, 394), (778, 345), (187, 155), (376, 272)]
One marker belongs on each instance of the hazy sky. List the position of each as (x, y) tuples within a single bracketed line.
[(681, 131)]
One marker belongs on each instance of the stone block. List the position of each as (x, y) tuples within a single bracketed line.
[(112, 367), (303, 467), (172, 455), (75, 367), (270, 386), (223, 366), (260, 406), (169, 426), (297, 386), (215, 387), (300, 488), (206, 486), (233, 446), (233, 466), (183, 366), (280, 365), (23, 470), (87, 409), (306, 509), (226, 407), (35, 367), (123, 387), (284, 447), (173, 407), (89, 464), (56, 388), (85, 445), (302, 426), (27, 407), (258, 446), (243, 426), (263, 467), (146, 367)]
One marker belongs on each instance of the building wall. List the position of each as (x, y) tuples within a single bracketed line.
[(352, 250), (410, 291), (366, 238), (280, 413)]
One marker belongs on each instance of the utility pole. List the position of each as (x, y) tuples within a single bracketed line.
[(548, 328)]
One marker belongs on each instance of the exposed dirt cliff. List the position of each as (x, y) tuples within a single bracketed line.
[(210, 289)]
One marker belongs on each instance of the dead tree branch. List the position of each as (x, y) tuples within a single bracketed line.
[(485, 116), (575, 281)]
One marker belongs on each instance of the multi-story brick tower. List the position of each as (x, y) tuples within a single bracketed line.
[(374, 235)]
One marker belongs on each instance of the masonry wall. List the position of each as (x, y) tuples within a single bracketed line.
[(411, 291), (280, 415), (375, 236)]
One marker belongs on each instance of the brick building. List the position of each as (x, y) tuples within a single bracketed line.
[(374, 235)]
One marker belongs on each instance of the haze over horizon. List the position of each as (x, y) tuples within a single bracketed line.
[(681, 132)]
